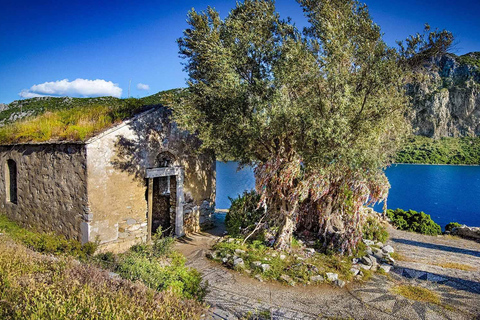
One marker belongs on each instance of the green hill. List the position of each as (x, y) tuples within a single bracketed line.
[(72, 119)]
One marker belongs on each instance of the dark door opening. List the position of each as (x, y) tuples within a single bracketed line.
[(163, 205)]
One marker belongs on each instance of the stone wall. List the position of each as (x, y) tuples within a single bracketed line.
[(51, 187), (117, 188)]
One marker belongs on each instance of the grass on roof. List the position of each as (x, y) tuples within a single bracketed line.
[(69, 119), (75, 124)]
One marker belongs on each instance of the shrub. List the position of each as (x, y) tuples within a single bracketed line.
[(414, 221), (162, 275), (243, 213), (374, 230), (449, 227)]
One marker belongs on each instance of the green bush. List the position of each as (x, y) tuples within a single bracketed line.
[(243, 213), (374, 230), (414, 221), (161, 275), (449, 227), (47, 242)]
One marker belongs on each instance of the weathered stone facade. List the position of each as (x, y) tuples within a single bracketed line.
[(98, 190), (51, 183)]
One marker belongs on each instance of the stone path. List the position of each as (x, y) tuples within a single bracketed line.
[(231, 295)]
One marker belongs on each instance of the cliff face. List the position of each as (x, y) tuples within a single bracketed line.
[(448, 104)]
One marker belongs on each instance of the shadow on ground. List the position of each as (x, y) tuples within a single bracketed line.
[(437, 247)]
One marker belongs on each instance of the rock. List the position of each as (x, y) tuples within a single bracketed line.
[(228, 255), (317, 278), (256, 264), (467, 232), (239, 251), (287, 279), (283, 257), (354, 271), (379, 244), (225, 260), (355, 260), (369, 251), (339, 283), (238, 262), (274, 254), (248, 271), (446, 104), (265, 267), (310, 250), (366, 260), (231, 240), (388, 249), (212, 255), (373, 260), (259, 277), (385, 267), (364, 266), (331, 276), (368, 242)]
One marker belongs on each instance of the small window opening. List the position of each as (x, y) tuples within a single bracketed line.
[(11, 181)]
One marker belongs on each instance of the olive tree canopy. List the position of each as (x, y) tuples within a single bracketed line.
[(320, 113)]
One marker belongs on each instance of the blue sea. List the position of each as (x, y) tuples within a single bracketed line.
[(447, 193)]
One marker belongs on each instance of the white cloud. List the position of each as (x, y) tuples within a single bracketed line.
[(27, 94), (144, 87), (75, 88)]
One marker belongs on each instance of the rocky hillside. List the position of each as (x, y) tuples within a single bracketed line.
[(448, 105)]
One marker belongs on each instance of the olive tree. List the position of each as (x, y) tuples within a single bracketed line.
[(319, 113)]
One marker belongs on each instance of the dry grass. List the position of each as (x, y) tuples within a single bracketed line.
[(455, 265), (74, 124), (417, 293), (401, 257)]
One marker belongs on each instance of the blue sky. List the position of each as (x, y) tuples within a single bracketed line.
[(118, 41)]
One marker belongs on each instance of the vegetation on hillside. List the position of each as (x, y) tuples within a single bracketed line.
[(319, 113), (72, 119), (471, 59), (414, 221), (48, 243), (157, 266), (33, 286), (419, 149)]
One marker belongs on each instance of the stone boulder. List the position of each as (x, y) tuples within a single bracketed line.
[(467, 232)]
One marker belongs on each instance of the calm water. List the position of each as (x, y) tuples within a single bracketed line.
[(447, 193)]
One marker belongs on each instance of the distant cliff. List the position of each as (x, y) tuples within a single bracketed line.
[(448, 104)]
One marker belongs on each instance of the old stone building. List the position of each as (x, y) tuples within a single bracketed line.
[(118, 187)]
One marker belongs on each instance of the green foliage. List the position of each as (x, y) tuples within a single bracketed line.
[(158, 275), (414, 221), (448, 150), (75, 119), (243, 213), (374, 230), (449, 227), (470, 59), (299, 270), (156, 265), (33, 286), (160, 268), (46, 242), (320, 113)]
